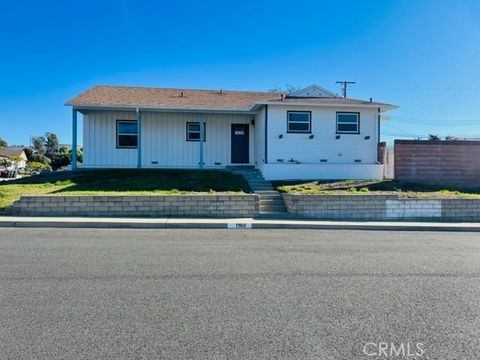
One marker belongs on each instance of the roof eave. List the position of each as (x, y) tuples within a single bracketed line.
[(158, 108), (383, 107)]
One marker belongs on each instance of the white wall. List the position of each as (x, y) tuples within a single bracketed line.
[(321, 171), (260, 138), (324, 145), (99, 140), (163, 140)]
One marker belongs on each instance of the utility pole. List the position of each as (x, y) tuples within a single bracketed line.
[(344, 86)]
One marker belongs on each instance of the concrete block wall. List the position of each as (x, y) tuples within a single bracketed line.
[(453, 162), (381, 207), (137, 205)]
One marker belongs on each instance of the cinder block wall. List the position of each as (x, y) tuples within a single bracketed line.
[(455, 162), (381, 207), (158, 205)]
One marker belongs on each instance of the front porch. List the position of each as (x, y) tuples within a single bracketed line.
[(165, 139)]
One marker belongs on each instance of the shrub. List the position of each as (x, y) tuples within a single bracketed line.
[(38, 166)]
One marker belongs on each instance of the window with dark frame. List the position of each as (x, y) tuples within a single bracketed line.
[(193, 131), (127, 134), (348, 123), (299, 121)]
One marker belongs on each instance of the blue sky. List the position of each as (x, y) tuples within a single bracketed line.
[(421, 55)]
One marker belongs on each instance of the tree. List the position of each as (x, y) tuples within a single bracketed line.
[(3, 143), (51, 145), (433, 137), (288, 89), (39, 144)]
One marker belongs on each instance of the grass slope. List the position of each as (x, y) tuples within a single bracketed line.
[(365, 187), (116, 182)]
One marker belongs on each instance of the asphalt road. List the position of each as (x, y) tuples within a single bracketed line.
[(238, 294)]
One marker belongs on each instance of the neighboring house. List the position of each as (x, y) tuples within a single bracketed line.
[(16, 155), (309, 134)]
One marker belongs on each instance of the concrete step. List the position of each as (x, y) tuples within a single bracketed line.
[(270, 196), (259, 184), (272, 207), (271, 201), (274, 215), (268, 192), (273, 211)]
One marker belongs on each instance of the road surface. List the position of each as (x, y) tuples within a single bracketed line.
[(238, 294)]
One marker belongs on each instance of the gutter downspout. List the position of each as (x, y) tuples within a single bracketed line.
[(139, 137), (74, 139), (201, 119)]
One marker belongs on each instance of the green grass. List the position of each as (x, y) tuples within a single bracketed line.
[(123, 182), (365, 187)]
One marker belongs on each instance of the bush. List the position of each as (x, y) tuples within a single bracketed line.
[(38, 166)]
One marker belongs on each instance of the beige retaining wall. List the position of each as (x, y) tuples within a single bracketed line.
[(157, 205), (381, 207)]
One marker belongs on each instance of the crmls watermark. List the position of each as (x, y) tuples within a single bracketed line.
[(394, 350)]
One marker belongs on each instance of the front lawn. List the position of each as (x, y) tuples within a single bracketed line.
[(123, 182), (365, 187)]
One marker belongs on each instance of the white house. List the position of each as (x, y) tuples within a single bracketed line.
[(309, 134)]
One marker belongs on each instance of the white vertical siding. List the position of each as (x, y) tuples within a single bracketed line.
[(100, 142), (164, 141), (324, 145), (260, 138)]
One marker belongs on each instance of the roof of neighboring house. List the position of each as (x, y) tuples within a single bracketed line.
[(13, 153), (193, 99)]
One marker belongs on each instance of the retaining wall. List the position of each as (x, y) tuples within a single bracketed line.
[(381, 207), (157, 205)]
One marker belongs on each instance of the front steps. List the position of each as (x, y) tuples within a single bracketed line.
[(270, 200)]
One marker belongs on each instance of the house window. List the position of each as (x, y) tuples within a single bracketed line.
[(348, 123), (193, 131), (127, 134), (299, 121)]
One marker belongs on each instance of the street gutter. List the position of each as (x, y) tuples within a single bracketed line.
[(224, 223)]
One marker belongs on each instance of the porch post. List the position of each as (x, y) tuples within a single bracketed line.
[(202, 136), (139, 138), (74, 139)]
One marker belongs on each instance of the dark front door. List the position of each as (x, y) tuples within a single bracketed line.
[(239, 143)]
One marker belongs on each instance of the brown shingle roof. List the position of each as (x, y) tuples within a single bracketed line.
[(192, 99), (13, 153), (169, 98)]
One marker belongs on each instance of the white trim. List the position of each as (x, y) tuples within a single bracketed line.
[(308, 131), (347, 123), (163, 109)]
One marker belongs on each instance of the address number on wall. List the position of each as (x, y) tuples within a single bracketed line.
[(239, 226)]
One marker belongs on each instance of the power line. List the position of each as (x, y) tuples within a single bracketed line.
[(427, 91), (436, 121)]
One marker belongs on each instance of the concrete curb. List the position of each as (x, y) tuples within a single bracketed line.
[(209, 223)]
